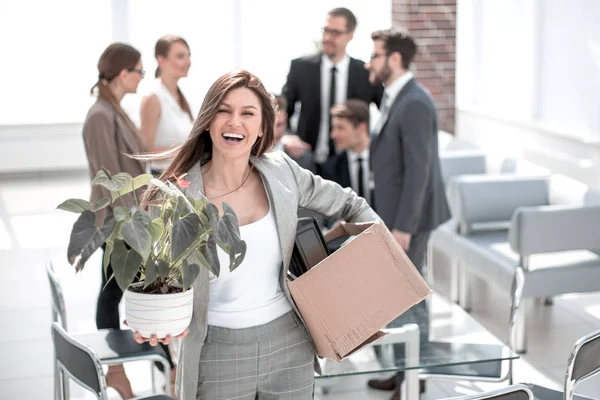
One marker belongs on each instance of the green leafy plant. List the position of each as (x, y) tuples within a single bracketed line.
[(164, 247)]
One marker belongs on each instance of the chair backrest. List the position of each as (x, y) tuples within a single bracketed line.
[(583, 363), (462, 163), (59, 312), (513, 392), (78, 361)]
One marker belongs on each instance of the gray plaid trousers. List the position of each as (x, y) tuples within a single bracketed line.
[(270, 361)]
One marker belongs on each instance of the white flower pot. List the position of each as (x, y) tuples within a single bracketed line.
[(159, 314)]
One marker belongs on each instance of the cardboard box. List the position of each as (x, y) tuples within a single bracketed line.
[(345, 299)]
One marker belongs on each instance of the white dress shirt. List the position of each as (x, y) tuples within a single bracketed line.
[(353, 169), (341, 92)]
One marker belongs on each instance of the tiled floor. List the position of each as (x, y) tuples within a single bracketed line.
[(32, 231)]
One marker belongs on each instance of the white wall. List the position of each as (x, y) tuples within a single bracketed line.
[(51, 49), (528, 81)]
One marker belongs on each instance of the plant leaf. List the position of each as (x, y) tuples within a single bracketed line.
[(156, 229), (180, 208), (114, 182), (163, 268), (183, 233), (203, 261), (190, 272), (227, 230), (136, 234), (136, 183), (102, 176), (74, 205), (121, 213), (125, 264), (86, 238), (102, 203), (213, 215), (109, 247), (211, 255), (237, 255), (151, 274)]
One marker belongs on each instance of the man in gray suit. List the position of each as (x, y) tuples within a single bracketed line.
[(409, 194)]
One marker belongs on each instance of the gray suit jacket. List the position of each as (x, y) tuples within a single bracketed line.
[(409, 193), (288, 187)]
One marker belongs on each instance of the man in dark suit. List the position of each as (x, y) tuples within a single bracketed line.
[(409, 194), (305, 158), (322, 80), (350, 134)]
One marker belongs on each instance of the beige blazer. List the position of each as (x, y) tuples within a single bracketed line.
[(107, 139), (288, 186)]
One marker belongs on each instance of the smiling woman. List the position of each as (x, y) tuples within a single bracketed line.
[(225, 159)]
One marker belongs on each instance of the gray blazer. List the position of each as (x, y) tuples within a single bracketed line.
[(288, 186), (409, 193), (107, 141)]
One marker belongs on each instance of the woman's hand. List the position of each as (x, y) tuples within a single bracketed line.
[(153, 340)]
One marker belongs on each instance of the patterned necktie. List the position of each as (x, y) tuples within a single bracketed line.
[(383, 114)]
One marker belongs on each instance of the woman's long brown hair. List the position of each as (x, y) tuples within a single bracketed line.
[(163, 45), (198, 146), (116, 58)]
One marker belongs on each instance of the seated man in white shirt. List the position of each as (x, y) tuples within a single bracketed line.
[(301, 154), (350, 133)]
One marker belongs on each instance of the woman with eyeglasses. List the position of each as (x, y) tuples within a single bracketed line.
[(109, 136), (165, 113)]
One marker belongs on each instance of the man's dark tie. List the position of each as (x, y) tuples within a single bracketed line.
[(332, 86), (361, 178)]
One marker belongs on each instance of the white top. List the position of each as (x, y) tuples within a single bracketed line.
[(174, 124), (341, 92), (251, 295), (353, 169)]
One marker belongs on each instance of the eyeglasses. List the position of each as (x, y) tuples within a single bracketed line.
[(376, 55), (139, 71), (333, 32)]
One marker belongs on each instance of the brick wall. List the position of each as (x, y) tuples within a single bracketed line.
[(432, 23)]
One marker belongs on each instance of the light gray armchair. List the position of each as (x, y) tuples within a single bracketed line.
[(538, 223)]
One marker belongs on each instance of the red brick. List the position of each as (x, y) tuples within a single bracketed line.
[(433, 25)]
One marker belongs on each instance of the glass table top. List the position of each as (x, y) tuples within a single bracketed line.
[(456, 344)]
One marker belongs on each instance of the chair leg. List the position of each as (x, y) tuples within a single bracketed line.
[(429, 272), (167, 369), (56, 382), (520, 333), (454, 282), (464, 293), (153, 375)]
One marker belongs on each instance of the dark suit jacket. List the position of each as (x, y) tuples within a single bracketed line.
[(336, 169), (304, 85), (409, 193)]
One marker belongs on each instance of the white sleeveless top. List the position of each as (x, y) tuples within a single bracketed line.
[(174, 124), (251, 295)]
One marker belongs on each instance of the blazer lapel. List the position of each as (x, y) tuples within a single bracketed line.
[(280, 198), (351, 74), (407, 87)]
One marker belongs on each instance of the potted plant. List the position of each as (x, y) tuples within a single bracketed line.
[(155, 255)]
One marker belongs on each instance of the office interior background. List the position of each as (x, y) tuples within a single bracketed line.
[(517, 79)]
